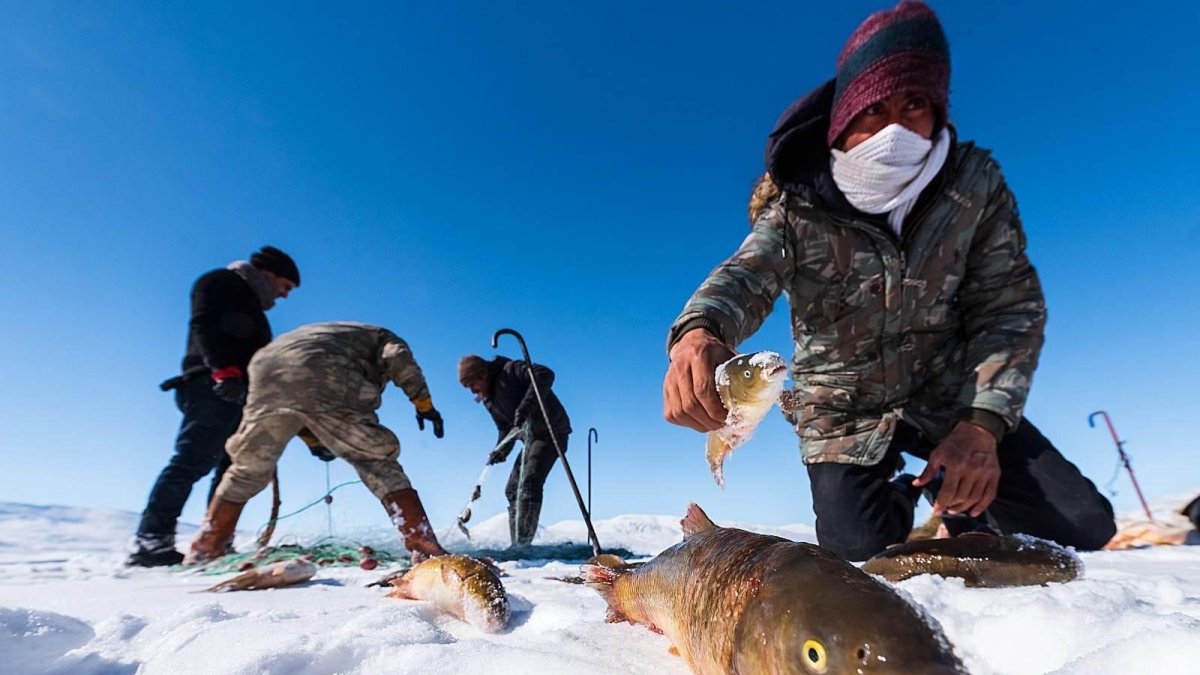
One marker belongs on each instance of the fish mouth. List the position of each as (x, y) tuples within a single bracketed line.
[(777, 371)]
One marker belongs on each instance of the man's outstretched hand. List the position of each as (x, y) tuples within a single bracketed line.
[(968, 456), (690, 397), (433, 416)]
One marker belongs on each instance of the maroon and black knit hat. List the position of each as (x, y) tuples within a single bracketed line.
[(896, 50)]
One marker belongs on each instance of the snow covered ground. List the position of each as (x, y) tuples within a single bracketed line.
[(68, 606)]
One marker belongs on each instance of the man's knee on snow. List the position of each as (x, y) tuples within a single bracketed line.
[(856, 551), (1091, 533)]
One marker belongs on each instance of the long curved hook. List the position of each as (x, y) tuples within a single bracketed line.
[(509, 331), (592, 434), (1092, 418)]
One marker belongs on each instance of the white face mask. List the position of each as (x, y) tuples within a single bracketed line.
[(887, 172)]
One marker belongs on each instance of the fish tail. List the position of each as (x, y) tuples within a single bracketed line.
[(602, 578), (716, 452)]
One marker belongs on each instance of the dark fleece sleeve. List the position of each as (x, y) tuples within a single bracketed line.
[(217, 320), (545, 378)]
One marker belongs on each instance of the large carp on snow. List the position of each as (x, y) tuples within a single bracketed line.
[(462, 586), (749, 384), (733, 601)]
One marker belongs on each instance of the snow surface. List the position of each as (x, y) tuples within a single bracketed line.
[(68, 606)]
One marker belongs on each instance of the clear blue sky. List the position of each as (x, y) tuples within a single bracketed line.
[(570, 170)]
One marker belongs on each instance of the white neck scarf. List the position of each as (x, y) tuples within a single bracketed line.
[(254, 276), (887, 172)]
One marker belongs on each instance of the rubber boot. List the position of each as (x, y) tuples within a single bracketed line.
[(215, 533), (526, 525), (408, 515)]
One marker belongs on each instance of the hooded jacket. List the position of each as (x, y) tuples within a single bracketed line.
[(942, 323)]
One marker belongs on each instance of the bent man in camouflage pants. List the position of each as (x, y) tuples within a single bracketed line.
[(324, 383)]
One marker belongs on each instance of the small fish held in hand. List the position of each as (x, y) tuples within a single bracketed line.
[(272, 576), (464, 587), (749, 384)]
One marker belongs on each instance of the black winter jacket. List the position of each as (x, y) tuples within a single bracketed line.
[(228, 324), (510, 396)]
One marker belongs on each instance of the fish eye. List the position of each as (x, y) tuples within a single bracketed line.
[(814, 656), (747, 374)]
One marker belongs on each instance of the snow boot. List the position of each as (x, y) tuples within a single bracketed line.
[(408, 515), (215, 533), (154, 550), (522, 529)]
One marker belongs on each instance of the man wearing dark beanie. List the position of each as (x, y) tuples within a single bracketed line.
[(916, 314), (228, 324)]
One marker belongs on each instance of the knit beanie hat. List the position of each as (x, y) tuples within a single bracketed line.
[(471, 368), (277, 262), (894, 51)]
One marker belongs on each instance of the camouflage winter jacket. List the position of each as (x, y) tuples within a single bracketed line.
[(328, 367), (943, 323)]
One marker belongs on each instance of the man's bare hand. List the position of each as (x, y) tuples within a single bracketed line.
[(690, 397), (968, 455)]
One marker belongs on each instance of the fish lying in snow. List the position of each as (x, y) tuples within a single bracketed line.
[(1144, 533), (749, 384), (733, 601), (459, 585), (980, 560), (272, 576)]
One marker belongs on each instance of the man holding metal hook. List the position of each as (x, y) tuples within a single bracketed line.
[(505, 388)]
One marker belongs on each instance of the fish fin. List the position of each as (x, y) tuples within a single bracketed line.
[(387, 579), (601, 578), (696, 521), (716, 452), (399, 587), (241, 582), (400, 590)]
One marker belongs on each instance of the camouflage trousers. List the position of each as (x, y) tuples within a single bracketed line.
[(355, 436)]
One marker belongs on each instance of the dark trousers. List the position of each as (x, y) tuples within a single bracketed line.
[(208, 421), (524, 493), (859, 512)]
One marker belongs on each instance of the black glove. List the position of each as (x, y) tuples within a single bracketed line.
[(322, 453), (498, 455), (501, 453), (231, 389), (433, 416)]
